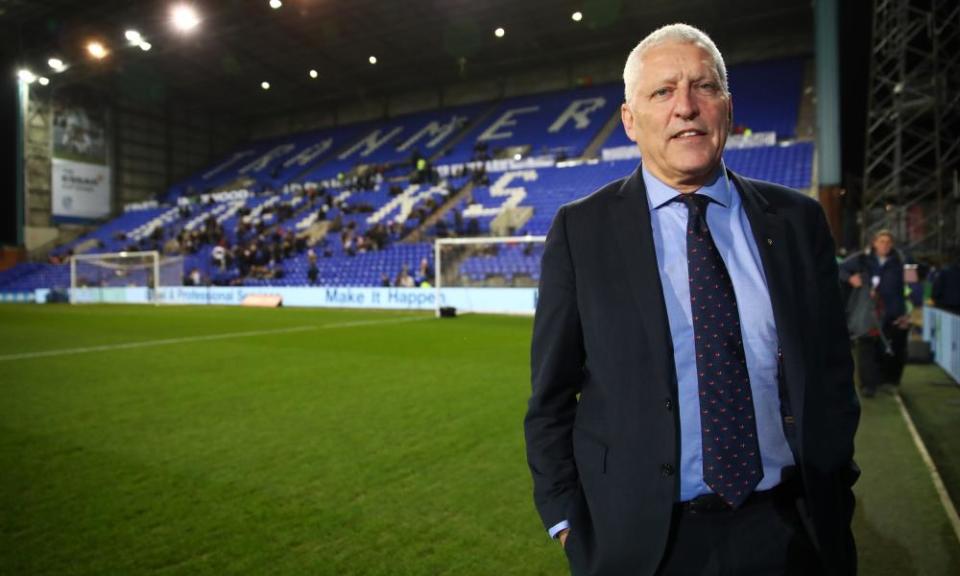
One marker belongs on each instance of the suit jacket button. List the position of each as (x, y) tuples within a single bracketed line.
[(668, 403), (666, 470)]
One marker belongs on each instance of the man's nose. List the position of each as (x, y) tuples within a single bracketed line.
[(686, 105)]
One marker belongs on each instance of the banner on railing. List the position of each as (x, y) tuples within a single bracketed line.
[(484, 300)]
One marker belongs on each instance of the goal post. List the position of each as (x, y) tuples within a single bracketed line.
[(122, 277), (487, 274)]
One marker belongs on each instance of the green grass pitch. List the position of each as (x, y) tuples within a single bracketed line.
[(298, 441)]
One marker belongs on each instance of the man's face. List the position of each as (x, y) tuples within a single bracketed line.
[(882, 245), (678, 115)]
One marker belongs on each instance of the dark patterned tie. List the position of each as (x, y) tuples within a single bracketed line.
[(731, 453)]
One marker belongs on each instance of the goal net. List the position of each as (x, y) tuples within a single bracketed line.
[(488, 275), (128, 277)]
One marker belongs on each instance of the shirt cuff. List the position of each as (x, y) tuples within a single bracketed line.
[(558, 527)]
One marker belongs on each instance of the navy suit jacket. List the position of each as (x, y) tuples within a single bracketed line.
[(602, 429)]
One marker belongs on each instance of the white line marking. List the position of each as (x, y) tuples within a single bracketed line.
[(945, 499), (207, 338)]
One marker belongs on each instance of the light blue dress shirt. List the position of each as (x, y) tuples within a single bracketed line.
[(734, 239)]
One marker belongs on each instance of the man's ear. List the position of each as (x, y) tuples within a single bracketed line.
[(626, 116)]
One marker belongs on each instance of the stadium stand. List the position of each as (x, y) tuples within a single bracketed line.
[(345, 206)]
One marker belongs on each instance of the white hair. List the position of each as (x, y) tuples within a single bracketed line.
[(681, 34)]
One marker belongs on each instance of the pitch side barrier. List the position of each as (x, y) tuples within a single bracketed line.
[(485, 300), (941, 329)]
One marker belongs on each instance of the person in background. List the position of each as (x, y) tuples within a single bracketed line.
[(945, 292), (424, 273), (880, 359)]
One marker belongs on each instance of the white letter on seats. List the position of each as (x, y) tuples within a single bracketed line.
[(577, 111), (371, 142), (309, 153), (231, 160), (435, 129), (263, 161), (505, 120)]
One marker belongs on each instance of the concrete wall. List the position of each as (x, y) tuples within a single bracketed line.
[(151, 146), (157, 145)]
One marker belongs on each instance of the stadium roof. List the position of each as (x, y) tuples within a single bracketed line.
[(418, 43)]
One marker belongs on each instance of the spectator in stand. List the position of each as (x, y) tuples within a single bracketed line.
[(349, 246), (946, 285), (458, 221), (424, 273), (219, 256), (384, 280), (193, 278), (172, 246), (404, 279), (473, 227)]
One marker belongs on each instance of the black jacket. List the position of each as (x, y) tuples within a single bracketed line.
[(890, 274), (602, 428)]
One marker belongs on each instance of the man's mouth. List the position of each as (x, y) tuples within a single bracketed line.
[(692, 133)]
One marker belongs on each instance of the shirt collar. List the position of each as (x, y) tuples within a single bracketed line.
[(659, 194)]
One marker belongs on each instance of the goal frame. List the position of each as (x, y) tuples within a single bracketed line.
[(155, 265), (474, 240)]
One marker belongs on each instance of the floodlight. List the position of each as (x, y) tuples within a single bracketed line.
[(133, 37), (275, 4), (56, 64), (265, 85), (372, 59), (577, 16), (314, 74), (184, 17), (26, 76), (96, 49), (499, 32)]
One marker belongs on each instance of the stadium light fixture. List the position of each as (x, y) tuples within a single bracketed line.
[(56, 64), (145, 46), (26, 76), (372, 59), (265, 85), (314, 74), (97, 49), (133, 37), (499, 32), (577, 16), (43, 80), (275, 4), (184, 17)]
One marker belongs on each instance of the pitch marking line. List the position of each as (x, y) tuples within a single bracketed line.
[(945, 499), (184, 340)]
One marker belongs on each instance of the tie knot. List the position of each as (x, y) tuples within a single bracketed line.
[(696, 212), (695, 202)]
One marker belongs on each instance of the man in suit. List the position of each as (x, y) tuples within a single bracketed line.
[(693, 409)]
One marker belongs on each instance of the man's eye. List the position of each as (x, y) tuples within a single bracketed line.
[(709, 87), (660, 92)]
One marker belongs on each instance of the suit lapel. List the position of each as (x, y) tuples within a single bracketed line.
[(770, 234), (630, 215)]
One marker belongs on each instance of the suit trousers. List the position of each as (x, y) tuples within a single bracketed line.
[(763, 539)]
